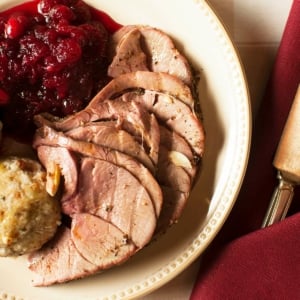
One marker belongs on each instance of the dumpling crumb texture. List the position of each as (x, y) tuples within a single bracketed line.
[(29, 216)]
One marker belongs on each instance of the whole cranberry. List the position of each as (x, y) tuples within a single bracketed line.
[(59, 12), (16, 25)]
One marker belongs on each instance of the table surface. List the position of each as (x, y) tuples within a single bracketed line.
[(255, 27)]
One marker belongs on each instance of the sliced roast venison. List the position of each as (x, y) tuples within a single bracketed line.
[(176, 183), (175, 114), (160, 50), (129, 159), (91, 245), (131, 116), (100, 242), (146, 80), (115, 39), (49, 137), (115, 195), (108, 134)]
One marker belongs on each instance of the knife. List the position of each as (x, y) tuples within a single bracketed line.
[(287, 163)]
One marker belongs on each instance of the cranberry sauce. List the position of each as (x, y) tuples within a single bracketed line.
[(52, 59)]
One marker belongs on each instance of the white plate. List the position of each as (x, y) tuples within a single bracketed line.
[(226, 110)]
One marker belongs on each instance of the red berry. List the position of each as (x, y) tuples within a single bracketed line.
[(16, 26), (59, 12)]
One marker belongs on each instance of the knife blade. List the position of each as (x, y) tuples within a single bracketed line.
[(287, 163)]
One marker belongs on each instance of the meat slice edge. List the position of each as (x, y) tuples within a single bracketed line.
[(173, 206), (147, 80)]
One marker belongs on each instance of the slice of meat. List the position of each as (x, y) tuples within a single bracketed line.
[(52, 157), (100, 242), (91, 246), (115, 39), (130, 56), (108, 134), (115, 195), (146, 80), (176, 184), (59, 261), (49, 137), (175, 114), (131, 116), (161, 52), (164, 56), (173, 206)]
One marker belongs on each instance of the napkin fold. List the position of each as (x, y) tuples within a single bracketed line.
[(245, 261)]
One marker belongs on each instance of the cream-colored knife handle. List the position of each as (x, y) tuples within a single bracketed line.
[(280, 202), (287, 155), (287, 162)]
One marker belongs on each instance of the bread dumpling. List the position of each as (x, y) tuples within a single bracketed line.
[(29, 216)]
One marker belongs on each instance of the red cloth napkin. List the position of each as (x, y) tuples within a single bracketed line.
[(244, 261)]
